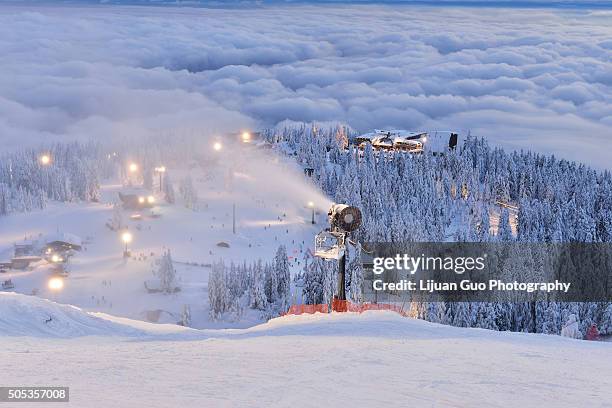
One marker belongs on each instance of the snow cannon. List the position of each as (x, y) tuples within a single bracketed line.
[(344, 218), (331, 243)]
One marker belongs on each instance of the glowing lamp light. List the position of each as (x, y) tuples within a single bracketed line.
[(126, 237), (56, 283), (55, 258), (141, 200), (311, 206), (133, 167), (246, 137), (217, 146), (45, 159), (150, 199)]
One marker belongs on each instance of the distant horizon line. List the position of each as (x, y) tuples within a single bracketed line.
[(520, 4)]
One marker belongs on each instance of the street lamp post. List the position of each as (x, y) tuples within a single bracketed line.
[(234, 218), (161, 170), (132, 170), (311, 205), (126, 237), (45, 162), (217, 147)]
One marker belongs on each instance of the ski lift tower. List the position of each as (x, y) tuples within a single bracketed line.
[(331, 243)]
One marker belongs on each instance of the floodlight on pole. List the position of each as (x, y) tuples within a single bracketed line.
[(133, 167), (161, 170), (217, 146), (126, 237), (311, 205)]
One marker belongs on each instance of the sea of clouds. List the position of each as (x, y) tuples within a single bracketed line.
[(537, 79)]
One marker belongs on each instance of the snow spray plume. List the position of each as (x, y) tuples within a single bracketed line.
[(270, 174)]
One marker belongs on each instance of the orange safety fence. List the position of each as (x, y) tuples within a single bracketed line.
[(343, 306), (309, 309), (347, 306)]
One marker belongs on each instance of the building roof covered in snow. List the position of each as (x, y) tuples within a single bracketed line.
[(394, 133), (24, 248), (64, 238)]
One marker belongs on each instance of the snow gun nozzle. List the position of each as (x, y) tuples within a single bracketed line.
[(344, 218)]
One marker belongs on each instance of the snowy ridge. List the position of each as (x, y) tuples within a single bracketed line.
[(22, 315), (380, 325), (317, 360)]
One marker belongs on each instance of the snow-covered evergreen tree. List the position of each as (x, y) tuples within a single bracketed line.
[(313, 282), (355, 276), (271, 283), (281, 266), (571, 328), (504, 231), (166, 273), (186, 316), (188, 193), (117, 222), (257, 292), (168, 189), (218, 293)]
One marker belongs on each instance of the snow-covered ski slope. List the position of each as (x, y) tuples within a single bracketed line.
[(271, 210), (376, 359)]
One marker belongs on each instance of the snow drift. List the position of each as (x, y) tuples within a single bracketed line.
[(22, 315), (375, 358)]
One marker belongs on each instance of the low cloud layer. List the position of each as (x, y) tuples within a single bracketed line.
[(538, 79)]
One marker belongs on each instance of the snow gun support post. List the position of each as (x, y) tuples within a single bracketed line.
[(331, 243)]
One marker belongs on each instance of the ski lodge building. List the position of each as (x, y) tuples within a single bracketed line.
[(29, 252), (62, 242), (406, 141), (393, 140), (135, 201)]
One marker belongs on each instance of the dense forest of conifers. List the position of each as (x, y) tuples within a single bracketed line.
[(403, 197), (71, 174), (451, 197)]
